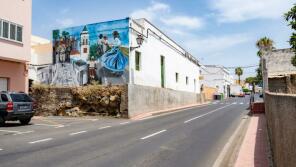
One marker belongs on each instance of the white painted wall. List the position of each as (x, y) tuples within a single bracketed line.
[(150, 69), (41, 54)]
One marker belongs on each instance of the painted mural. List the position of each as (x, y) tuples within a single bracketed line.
[(93, 52)]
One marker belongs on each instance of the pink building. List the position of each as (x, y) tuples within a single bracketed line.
[(15, 45)]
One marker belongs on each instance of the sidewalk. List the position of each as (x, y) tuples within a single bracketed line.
[(254, 149)]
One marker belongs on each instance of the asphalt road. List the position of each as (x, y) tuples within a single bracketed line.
[(193, 137)]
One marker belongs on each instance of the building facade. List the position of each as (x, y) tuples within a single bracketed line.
[(161, 62), (41, 58), (279, 75), (108, 52), (217, 77), (15, 36), (158, 73)]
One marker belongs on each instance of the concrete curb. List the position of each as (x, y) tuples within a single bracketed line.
[(227, 156)]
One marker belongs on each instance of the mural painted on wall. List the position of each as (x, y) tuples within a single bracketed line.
[(94, 52)]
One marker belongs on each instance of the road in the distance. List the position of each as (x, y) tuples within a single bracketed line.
[(188, 138)]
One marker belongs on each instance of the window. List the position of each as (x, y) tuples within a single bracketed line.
[(187, 81), (84, 50), (20, 98), (4, 98), (5, 29), (19, 34), (3, 84), (12, 31), (138, 60), (177, 77)]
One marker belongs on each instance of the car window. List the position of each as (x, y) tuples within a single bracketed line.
[(4, 98), (20, 98)]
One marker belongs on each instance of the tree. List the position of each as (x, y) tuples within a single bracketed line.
[(290, 17), (263, 44), (251, 80), (56, 34), (239, 72), (93, 52)]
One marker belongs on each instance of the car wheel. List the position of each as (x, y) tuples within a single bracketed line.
[(25, 121), (2, 121)]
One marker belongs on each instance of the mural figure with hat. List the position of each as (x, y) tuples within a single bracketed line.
[(114, 60)]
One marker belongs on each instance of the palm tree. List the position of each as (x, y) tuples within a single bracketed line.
[(264, 44), (239, 72)]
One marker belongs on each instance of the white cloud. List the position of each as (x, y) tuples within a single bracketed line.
[(65, 22), (183, 21), (152, 11), (161, 15), (242, 10)]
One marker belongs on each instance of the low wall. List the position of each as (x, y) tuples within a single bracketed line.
[(280, 112), (79, 101), (143, 99)]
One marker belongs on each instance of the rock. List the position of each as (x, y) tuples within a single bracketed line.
[(113, 98), (104, 101)]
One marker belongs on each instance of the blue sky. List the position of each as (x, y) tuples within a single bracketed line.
[(221, 32)]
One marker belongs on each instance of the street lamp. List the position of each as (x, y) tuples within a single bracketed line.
[(139, 40)]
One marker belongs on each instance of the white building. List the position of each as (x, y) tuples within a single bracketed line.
[(161, 62), (41, 56), (159, 73), (217, 77), (162, 74)]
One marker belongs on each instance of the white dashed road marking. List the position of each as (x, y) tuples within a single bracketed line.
[(104, 127), (39, 141), (206, 114), (241, 103), (123, 123), (234, 103), (153, 134), (20, 133), (76, 133), (1, 149), (16, 132), (56, 126)]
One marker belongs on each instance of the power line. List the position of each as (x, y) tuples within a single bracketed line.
[(249, 66)]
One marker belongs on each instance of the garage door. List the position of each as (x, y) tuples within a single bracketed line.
[(3, 84)]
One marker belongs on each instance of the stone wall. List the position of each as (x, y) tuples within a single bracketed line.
[(276, 63), (79, 101), (143, 99), (280, 112), (282, 84)]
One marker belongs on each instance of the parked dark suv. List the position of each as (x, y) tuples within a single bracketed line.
[(16, 106)]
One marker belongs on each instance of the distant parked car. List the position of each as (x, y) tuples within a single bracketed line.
[(16, 107), (241, 95)]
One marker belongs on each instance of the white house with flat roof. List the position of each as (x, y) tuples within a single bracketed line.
[(160, 61)]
